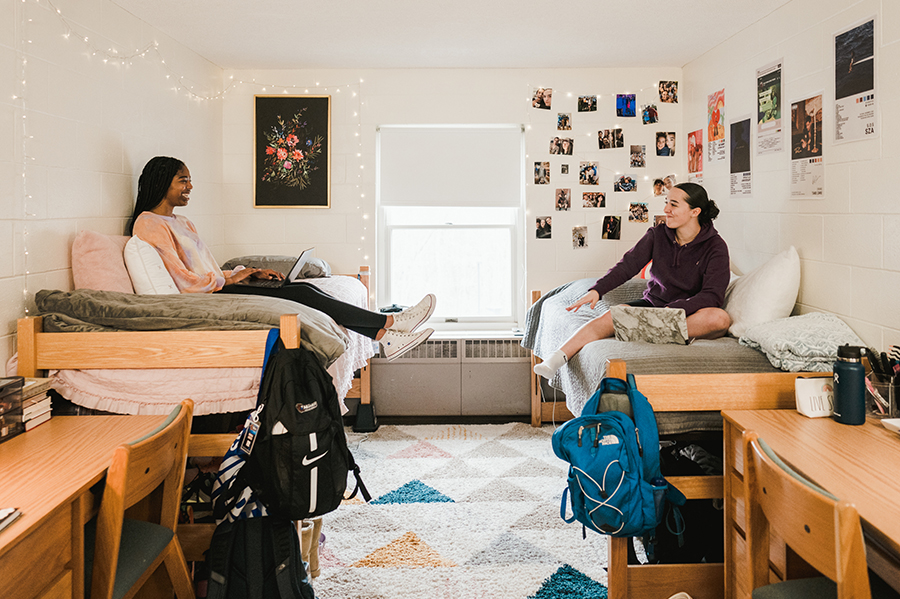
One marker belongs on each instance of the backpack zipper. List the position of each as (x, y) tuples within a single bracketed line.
[(637, 434)]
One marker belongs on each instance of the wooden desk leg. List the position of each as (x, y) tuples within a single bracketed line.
[(617, 567), (81, 512), (365, 384), (536, 407)]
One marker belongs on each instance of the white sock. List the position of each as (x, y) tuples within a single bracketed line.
[(554, 362)]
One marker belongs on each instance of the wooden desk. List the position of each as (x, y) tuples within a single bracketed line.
[(858, 463), (47, 473)]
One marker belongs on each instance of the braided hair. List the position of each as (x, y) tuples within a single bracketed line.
[(153, 185), (697, 198)]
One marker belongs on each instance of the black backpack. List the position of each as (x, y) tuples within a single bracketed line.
[(299, 463), (257, 558)]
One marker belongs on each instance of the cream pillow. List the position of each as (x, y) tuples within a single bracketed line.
[(146, 269), (767, 293)]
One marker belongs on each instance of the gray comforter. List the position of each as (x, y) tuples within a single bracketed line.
[(548, 325), (88, 310)]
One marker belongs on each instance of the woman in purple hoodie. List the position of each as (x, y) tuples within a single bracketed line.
[(690, 271)]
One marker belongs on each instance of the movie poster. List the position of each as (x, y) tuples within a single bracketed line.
[(769, 131), (855, 110), (741, 178), (695, 156), (807, 166), (716, 127)]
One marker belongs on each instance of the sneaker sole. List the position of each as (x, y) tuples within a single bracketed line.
[(411, 345)]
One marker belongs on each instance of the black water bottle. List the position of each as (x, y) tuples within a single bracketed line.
[(849, 386)]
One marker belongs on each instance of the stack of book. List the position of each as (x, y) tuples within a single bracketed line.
[(36, 406)]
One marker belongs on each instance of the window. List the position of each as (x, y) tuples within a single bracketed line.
[(450, 220)]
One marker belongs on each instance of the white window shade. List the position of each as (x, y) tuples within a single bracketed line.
[(450, 166)]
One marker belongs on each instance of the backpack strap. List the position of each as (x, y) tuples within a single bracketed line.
[(360, 485), (217, 558), (271, 347), (284, 565), (562, 507)]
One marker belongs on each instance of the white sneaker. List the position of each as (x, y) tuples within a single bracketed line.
[(396, 344), (410, 319)]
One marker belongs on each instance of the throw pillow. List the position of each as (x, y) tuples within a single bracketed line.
[(148, 273), (98, 263), (767, 293)]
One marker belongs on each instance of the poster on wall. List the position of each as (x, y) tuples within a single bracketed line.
[(855, 110), (715, 113), (292, 155), (543, 226), (769, 130), (741, 177), (807, 166), (695, 156)]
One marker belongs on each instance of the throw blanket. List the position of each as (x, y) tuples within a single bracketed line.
[(88, 310), (801, 343)]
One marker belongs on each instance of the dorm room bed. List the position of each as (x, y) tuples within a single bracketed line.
[(716, 372), (688, 386)]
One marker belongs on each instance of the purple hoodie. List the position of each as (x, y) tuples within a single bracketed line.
[(692, 276)]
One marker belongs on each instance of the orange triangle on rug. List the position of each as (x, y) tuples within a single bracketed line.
[(409, 551), (422, 449)]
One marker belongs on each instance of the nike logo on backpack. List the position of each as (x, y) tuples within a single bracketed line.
[(307, 462)]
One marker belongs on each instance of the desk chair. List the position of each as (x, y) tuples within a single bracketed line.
[(124, 554), (823, 530)]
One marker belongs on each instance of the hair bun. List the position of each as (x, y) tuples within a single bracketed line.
[(712, 210)]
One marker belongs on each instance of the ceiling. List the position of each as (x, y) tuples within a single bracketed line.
[(303, 34)]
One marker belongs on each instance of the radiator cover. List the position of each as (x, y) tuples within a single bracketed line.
[(449, 377)]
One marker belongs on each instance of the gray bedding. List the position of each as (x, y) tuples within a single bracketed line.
[(548, 325), (87, 310)]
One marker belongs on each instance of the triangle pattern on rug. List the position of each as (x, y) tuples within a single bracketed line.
[(569, 582), (501, 490), (526, 431), (457, 433), (493, 449), (409, 551), (534, 468), (422, 449), (509, 548), (543, 517), (457, 469), (415, 491), (388, 432), (328, 559)]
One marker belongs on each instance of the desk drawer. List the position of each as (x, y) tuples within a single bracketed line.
[(36, 563)]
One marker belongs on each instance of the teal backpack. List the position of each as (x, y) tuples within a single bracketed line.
[(614, 481)]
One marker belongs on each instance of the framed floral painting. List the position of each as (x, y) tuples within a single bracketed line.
[(292, 155)]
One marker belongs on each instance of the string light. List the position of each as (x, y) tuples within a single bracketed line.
[(117, 57)]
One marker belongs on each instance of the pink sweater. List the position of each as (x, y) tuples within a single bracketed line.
[(184, 254)]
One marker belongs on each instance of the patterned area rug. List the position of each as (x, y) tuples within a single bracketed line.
[(458, 511)]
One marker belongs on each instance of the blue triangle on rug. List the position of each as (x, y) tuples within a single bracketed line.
[(415, 491), (569, 582)]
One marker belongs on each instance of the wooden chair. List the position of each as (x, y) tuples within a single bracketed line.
[(134, 532), (820, 528)]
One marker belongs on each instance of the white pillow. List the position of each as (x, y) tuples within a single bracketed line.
[(767, 293), (146, 269)]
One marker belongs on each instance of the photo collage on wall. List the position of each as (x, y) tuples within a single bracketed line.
[(614, 172)]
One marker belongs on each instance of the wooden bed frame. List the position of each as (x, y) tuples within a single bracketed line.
[(678, 393), (38, 351)]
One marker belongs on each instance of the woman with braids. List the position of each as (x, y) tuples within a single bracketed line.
[(165, 184), (690, 271)]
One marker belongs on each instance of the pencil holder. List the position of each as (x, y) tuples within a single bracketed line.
[(883, 394)]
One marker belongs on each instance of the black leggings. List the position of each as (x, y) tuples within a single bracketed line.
[(364, 322)]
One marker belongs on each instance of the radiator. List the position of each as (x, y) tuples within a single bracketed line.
[(448, 377)]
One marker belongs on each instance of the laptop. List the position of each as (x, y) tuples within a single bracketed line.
[(292, 275)]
